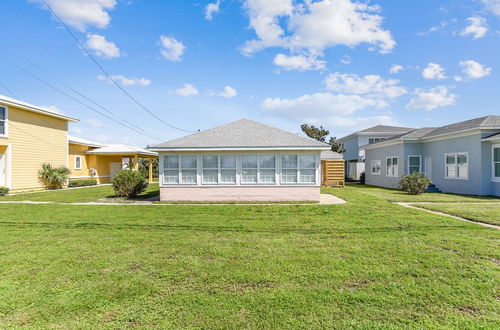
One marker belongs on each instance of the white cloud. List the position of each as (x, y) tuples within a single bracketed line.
[(493, 6), (369, 85), (396, 68), (473, 69), (434, 71), (320, 105), (82, 13), (126, 81), (346, 59), (211, 9), (476, 28), (172, 49), (92, 122), (435, 28), (310, 27), (187, 90), (432, 98), (458, 78), (53, 108), (350, 124), (75, 130), (102, 47), (228, 92), (298, 62)]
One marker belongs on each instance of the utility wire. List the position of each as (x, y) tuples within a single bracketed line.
[(74, 99), (8, 90), (108, 75)]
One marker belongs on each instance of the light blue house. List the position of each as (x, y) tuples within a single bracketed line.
[(461, 158), (354, 156)]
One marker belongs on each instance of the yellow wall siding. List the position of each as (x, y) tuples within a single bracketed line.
[(79, 150), (35, 139)]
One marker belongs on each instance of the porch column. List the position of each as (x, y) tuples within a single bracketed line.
[(136, 163), (130, 164), (150, 170)]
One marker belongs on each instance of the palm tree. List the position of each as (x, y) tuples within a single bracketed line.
[(53, 177)]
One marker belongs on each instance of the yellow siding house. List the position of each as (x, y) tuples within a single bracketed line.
[(30, 136)]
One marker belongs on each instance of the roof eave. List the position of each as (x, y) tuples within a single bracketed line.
[(39, 110), (163, 149)]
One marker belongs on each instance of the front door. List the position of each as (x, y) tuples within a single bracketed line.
[(428, 167), (114, 167), (3, 170)]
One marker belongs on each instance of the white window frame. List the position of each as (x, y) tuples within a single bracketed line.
[(379, 167), (259, 168), (179, 170), (493, 177), (380, 139), (394, 174), (419, 163), (78, 158), (456, 154), (6, 121), (220, 169), (298, 170)]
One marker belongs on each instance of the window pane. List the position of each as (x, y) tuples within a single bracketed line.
[(228, 176), (450, 159), (414, 169), (210, 176), (497, 170), (389, 162), (188, 176), (267, 176), (463, 171), (414, 161), (496, 155), (289, 161), (462, 159), (289, 176), (228, 161), (2, 127), (171, 161), (307, 161), (394, 161), (78, 161), (249, 161), (249, 176), (188, 161), (308, 176), (450, 171), (171, 177), (211, 161), (267, 161), (2, 113)]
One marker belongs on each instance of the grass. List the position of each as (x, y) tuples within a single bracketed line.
[(363, 264), (488, 213), (396, 195)]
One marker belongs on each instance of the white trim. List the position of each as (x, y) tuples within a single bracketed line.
[(226, 149), (36, 109), (6, 121), (9, 166), (419, 163), (456, 165), (392, 165), (380, 167), (80, 158), (493, 177)]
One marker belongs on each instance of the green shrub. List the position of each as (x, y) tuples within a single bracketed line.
[(414, 183), (53, 177), (128, 183), (4, 191), (82, 183)]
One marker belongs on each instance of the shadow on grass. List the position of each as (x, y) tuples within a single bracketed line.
[(146, 196)]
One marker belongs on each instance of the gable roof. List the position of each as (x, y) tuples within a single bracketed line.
[(34, 108), (331, 155), (379, 129), (486, 122), (242, 134), (83, 142), (122, 149)]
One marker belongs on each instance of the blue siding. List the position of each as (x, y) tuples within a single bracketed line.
[(381, 154)]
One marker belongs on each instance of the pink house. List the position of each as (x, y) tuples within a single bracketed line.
[(241, 161)]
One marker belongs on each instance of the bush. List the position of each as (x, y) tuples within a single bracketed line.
[(4, 191), (128, 183), (414, 183), (53, 177), (82, 183)]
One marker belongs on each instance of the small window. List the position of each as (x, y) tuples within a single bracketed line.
[(414, 165), (376, 167), (3, 121), (375, 140), (457, 165), (392, 166), (496, 162), (78, 162)]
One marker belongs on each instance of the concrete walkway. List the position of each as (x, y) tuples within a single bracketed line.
[(325, 199), (410, 206)]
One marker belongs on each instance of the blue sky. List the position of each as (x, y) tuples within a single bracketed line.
[(199, 64)]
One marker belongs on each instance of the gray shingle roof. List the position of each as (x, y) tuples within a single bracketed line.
[(386, 129), (243, 133), (329, 155)]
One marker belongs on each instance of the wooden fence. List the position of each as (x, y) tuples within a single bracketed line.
[(333, 173)]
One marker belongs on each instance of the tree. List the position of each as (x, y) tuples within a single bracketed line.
[(320, 134)]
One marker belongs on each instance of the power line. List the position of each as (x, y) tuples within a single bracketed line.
[(74, 99), (8, 90), (108, 75)]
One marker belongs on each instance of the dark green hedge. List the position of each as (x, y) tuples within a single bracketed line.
[(82, 183), (4, 191)]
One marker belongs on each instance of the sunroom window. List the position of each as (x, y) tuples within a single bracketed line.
[(258, 169), (3, 121), (179, 169), (228, 168), (298, 168), (210, 169), (289, 164)]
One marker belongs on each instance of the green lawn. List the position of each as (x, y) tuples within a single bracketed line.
[(363, 264), (489, 213), (396, 195)]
